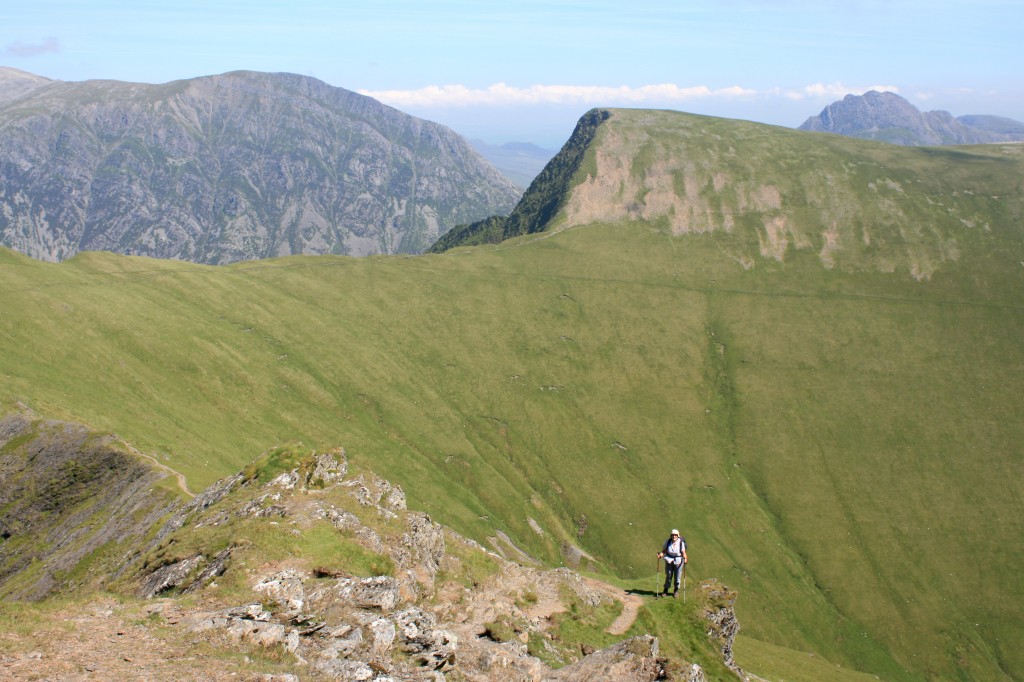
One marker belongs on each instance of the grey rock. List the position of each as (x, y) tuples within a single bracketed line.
[(343, 520), (170, 576), (423, 545), (287, 480), (370, 539), (428, 646), (250, 612), (348, 671), (414, 628), (723, 626), (292, 641), (285, 588), (211, 571), (328, 468), (256, 632), (383, 632), (197, 505), (379, 592), (631, 660)]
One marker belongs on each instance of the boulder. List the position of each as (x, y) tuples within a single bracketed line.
[(169, 576), (328, 467), (379, 592), (631, 660)]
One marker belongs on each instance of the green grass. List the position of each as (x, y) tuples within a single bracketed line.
[(778, 664), (840, 445)]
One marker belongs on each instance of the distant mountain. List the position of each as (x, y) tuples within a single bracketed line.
[(224, 168), (15, 83), (887, 117), (520, 162), (994, 124)]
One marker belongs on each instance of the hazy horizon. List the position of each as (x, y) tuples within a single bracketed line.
[(525, 71)]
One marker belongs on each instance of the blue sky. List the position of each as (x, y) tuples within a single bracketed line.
[(526, 70)]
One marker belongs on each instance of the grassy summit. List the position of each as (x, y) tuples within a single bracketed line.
[(803, 350)]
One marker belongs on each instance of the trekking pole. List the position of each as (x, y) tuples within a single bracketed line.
[(657, 577), (684, 582)]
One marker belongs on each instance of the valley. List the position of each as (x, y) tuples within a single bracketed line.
[(803, 350)]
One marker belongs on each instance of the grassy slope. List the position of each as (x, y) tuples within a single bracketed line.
[(841, 446)]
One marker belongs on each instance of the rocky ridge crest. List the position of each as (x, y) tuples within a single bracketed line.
[(235, 567)]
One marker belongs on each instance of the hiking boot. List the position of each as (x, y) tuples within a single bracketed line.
[(675, 595)]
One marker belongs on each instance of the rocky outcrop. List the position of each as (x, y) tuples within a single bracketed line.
[(388, 627), (723, 626), (632, 660), (887, 117), (397, 625), (224, 168)]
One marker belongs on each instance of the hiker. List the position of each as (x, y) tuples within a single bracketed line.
[(674, 553)]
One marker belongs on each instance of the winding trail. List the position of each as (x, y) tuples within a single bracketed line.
[(182, 483), (631, 604)]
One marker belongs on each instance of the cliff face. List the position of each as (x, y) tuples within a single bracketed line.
[(66, 495), (887, 117), (225, 168)]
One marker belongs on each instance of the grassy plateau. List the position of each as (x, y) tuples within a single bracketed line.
[(804, 351)]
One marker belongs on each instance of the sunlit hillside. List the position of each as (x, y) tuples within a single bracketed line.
[(803, 350)]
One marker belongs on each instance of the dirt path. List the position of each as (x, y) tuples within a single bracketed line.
[(106, 640), (631, 604), (182, 483)]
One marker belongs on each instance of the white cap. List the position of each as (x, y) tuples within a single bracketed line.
[(675, 531)]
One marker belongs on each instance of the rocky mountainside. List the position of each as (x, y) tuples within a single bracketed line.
[(224, 168), (15, 83), (322, 567), (887, 117)]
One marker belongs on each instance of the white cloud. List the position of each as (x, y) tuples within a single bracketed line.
[(500, 94), (19, 49), (835, 91)]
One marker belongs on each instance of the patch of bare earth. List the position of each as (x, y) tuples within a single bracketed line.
[(106, 640)]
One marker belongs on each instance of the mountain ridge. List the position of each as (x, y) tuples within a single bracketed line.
[(383, 565), (887, 117), (231, 167), (801, 350), (821, 196)]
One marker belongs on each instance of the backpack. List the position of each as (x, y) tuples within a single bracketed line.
[(682, 546)]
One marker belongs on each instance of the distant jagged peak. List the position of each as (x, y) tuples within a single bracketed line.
[(888, 117)]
